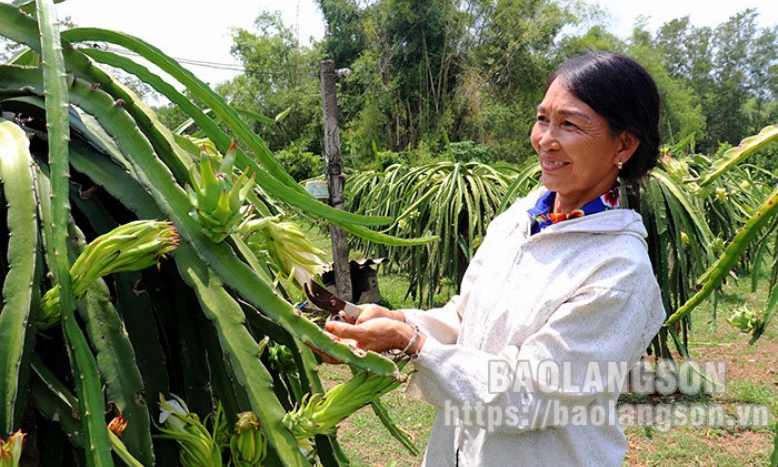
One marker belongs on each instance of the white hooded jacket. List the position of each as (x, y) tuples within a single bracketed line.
[(578, 295)]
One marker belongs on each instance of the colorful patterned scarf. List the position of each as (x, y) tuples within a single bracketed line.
[(543, 216)]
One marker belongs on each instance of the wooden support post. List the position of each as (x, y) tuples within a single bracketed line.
[(334, 165)]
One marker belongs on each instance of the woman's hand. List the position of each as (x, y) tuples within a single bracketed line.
[(372, 311), (378, 334)]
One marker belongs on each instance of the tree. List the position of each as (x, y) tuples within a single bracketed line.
[(280, 74), (681, 112), (345, 38), (730, 82), (418, 47), (510, 52), (762, 77), (474, 70), (399, 94), (729, 70)]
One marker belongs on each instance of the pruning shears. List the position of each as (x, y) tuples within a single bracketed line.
[(328, 301)]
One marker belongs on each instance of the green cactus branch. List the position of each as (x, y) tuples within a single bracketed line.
[(712, 278), (115, 360), (119, 183), (87, 380), (134, 309), (294, 197), (17, 25), (276, 180), (278, 184), (201, 90), (174, 203), (687, 204), (57, 404), (740, 153), (208, 125), (78, 63), (16, 332), (122, 154), (219, 306), (242, 350)]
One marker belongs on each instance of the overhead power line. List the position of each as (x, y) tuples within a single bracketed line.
[(214, 65)]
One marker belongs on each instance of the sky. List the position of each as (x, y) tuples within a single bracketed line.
[(201, 31), (193, 30), (700, 12)]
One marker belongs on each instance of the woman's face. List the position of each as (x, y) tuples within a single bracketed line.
[(578, 152)]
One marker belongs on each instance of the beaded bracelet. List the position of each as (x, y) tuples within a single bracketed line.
[(413, 340)]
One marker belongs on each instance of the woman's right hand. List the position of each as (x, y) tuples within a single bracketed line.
[(373, 311), (379, 334)]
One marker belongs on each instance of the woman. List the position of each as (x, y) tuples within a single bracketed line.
[(526, 363)]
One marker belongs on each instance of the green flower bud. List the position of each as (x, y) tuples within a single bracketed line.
[(11, 450), (296, 258), (717, 245), (130, 247), (248, 445), (678, 169), (321, 413), (745, 319), (197, 447), (217, 198)]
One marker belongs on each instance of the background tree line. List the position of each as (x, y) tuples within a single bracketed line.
[(475, 70)]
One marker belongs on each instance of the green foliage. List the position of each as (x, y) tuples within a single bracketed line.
[(467, 151), (706, 219), (384, 159), (279, 73), (681, 114), (476, 71), (300, 164), (345, 38), (18, 292), (726, 68), (451, 200), (420, 68)]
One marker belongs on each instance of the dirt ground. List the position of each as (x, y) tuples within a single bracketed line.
[(751, 374)]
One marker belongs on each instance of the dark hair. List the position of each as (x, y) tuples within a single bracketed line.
[(622, 91)]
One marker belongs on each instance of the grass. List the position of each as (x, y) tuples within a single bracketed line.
[(368, 443), (751, 384)]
